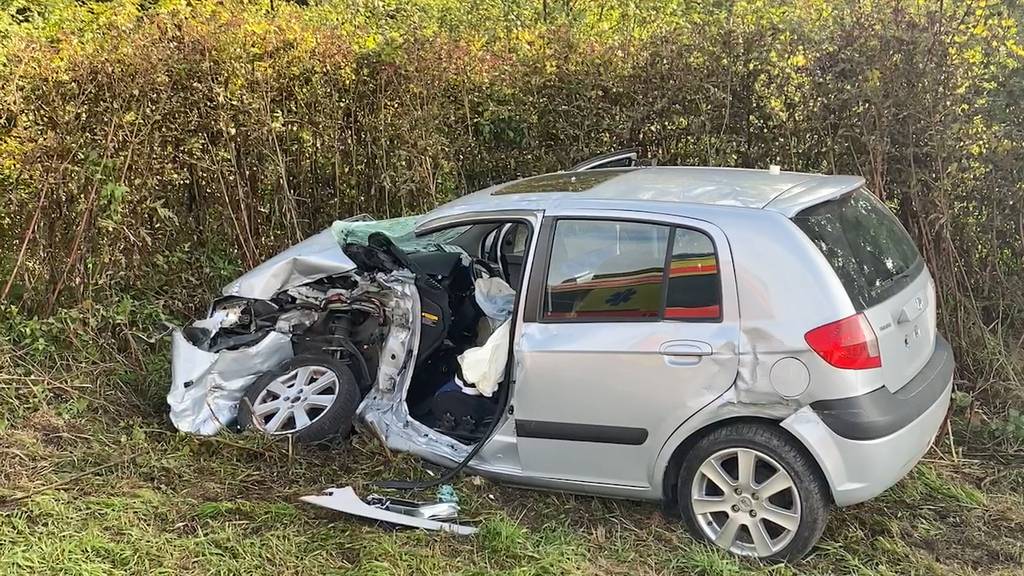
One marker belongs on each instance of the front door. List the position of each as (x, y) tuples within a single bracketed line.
[(630, 327)]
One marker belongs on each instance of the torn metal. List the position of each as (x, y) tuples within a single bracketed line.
[(345, 500), (294, 304), (271, 312), (206, 387), (316, 257)]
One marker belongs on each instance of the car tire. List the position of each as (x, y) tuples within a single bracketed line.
[(782, 522), (322, 388)]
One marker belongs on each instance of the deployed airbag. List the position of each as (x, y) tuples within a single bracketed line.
[(484, 366), (495, 297)]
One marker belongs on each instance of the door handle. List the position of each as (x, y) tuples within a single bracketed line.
[(686, 348)]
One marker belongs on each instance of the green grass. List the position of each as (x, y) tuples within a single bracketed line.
[(94, 481)]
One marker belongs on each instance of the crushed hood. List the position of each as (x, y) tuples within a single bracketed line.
[(316, 257)]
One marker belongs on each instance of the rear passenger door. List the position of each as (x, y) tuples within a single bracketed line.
[(630, 326)]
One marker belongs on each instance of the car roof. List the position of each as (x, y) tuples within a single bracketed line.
[(660, 189)]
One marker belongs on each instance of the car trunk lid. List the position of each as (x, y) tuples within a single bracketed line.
[(883, 274), (905, 327)]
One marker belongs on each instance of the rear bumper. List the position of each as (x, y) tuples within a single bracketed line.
[(867, 443)]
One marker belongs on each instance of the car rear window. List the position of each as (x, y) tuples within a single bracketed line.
[(865, 244)]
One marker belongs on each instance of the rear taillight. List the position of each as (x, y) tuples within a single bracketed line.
[(848, 343)]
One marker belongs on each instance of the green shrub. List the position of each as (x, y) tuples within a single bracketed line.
[(155, 147)]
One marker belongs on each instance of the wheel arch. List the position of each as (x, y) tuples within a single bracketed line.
[(670, 474)]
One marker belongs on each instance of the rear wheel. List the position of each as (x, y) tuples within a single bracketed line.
[(750, 489), (310, 398)]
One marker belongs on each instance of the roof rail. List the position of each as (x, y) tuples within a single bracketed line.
[(626, 158)]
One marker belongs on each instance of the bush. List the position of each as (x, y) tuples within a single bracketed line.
[(154, 148)]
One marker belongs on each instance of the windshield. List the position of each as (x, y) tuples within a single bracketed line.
[(401, 232)]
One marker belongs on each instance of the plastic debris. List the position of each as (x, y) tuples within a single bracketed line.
[(446, 493), (345, 500)]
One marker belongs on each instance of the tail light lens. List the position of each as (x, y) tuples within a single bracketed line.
[(849, 343)]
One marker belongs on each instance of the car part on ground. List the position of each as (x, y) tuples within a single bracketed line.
[(429, 510), (312, 398), (345, 500)]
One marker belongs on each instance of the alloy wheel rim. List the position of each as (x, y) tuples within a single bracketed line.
[(296, 399), (745, 502)]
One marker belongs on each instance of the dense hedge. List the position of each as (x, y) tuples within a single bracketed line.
[(146, 145)]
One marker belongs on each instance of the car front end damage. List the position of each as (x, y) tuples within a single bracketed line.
[(323, 297)]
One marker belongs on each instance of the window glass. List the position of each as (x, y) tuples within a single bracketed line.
[(865, 244), (514, 242), (606, 270), (400, 230), (694, 289)]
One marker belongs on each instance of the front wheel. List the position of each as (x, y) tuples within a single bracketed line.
[(310, 398), (750, 489)]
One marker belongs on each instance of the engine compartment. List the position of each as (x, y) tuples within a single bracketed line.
[(346, 317)]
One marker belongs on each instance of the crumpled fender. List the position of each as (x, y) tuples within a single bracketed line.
[(206, 387)]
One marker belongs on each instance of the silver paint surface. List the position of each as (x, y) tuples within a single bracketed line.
[(776, 287)]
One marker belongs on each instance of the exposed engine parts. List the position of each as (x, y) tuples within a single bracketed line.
[(341, 316)]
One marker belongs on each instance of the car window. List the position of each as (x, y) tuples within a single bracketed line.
[(607, 270), (694, 287), (434, 240), (514, 241), (865, 244)]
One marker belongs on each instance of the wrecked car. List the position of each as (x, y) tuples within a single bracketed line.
[(750, 346)]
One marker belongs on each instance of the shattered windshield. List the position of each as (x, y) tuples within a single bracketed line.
[(401, 232)]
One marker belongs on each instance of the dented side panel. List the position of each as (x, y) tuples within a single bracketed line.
[(786, 288)]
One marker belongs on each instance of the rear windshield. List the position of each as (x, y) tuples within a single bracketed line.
[(866, 245)]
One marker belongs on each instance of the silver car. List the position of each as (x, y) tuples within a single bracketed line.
[(749, 346)]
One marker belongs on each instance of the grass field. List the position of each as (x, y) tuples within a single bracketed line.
[(94, 481)]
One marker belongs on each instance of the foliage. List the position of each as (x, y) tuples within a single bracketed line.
[(143, 142)]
